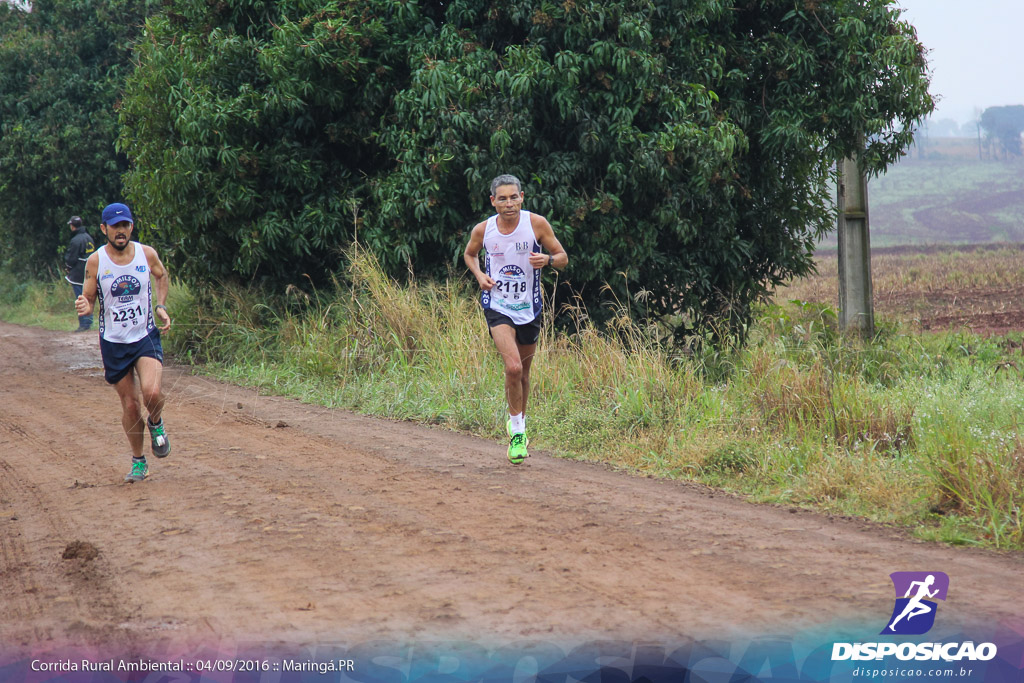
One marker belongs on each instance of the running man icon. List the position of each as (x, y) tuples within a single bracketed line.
[(921, 588), (915, 607)]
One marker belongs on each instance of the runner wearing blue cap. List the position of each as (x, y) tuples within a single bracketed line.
[(123, 275)]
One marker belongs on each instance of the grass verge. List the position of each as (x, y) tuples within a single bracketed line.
[(918, 430)]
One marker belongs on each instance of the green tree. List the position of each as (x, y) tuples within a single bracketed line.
[(252, 128), (62, 67), (1004, 126), (681, 148)]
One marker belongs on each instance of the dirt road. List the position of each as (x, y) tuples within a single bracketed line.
[(278, 522)]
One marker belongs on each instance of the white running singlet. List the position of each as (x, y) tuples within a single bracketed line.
[(125, 295), (516, 292)]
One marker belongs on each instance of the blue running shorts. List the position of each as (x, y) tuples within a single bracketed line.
[(118, 359)]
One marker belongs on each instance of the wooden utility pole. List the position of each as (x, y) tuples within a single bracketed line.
[(856, 306)]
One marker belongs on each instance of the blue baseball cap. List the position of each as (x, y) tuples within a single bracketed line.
[(115, 213)]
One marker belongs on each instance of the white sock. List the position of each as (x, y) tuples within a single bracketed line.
[(518, 423)]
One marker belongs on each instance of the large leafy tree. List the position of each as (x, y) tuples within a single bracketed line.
[(681, 148), (253, 126), (62, 67)]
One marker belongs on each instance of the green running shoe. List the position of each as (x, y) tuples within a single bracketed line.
[(508, 430), (139, 471), (161, 446), (517, 449)]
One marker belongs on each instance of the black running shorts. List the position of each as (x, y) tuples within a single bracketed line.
[(526, 334)]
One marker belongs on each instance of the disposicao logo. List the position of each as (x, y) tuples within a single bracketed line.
[(914, 614)]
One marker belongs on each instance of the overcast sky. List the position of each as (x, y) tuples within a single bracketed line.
[(976, 52)]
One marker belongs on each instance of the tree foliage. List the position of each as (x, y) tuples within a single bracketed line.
[(62, 68), (1004, 126), (252, 128), (680, 148)]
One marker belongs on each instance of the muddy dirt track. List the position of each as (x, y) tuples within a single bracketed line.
[(278, 522)]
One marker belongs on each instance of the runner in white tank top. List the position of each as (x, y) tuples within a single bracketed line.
[(510, 292), (126, 276), (516, 290), (126, 313)]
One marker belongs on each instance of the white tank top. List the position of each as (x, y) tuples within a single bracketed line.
[(125, 295), (516, 292)]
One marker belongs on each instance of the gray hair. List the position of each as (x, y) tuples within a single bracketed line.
[(505, 179)]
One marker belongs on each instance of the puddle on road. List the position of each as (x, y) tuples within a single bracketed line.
[(79, 352)]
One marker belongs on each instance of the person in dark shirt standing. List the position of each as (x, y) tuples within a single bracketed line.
[(77, 254)]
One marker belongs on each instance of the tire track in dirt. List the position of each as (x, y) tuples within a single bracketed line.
[(45, 569), (16, 577)]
